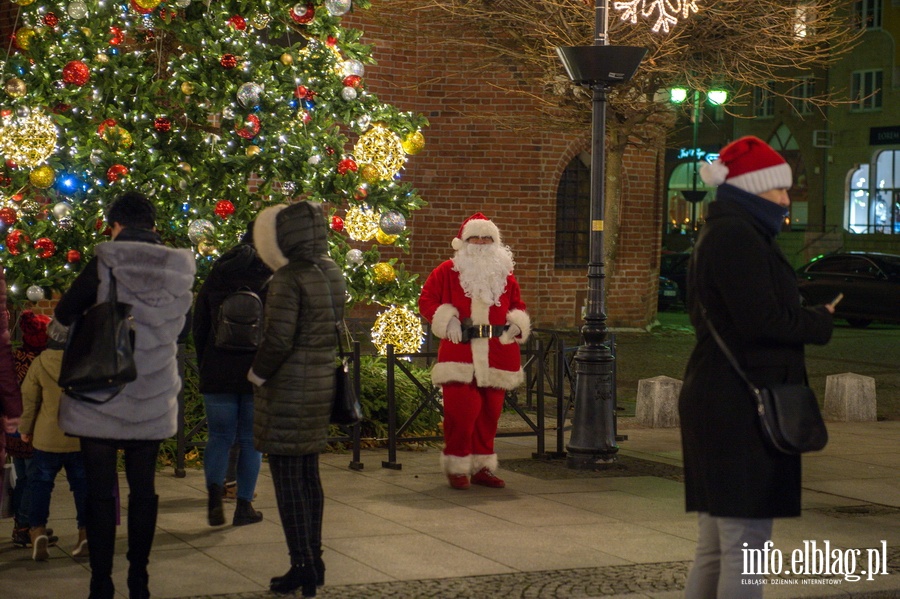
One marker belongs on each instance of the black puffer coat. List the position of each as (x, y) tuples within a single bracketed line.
[(225, 371), (296, 359), (750, 292)]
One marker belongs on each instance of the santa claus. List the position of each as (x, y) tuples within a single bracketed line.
[(473, 304)]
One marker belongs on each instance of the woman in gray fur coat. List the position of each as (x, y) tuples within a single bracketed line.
[(293, 374), (156, 280)]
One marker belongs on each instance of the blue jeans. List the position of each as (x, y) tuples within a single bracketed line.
[(230, 417), (21, 497), (46, 466)]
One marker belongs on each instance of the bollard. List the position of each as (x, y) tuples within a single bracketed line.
[(657, 402), (850, 397)]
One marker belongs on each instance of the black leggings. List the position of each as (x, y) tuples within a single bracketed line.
[(100, 458), (298, 491)]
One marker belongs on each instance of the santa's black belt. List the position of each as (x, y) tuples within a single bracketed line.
[(482, 331)]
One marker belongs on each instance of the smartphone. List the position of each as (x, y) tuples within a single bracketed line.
[(837, 299)]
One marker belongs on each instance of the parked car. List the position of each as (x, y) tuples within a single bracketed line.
[(668, 294), (869, 281), (674, 267)]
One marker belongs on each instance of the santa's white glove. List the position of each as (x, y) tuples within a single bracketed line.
[(513, 330), (454, 330), (255, 378)]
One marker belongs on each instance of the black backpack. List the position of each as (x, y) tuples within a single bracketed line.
[(239, 324)]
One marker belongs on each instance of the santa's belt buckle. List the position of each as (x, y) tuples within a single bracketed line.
[(481, 330)]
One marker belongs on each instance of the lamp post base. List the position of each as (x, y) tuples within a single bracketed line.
[(593, 441)]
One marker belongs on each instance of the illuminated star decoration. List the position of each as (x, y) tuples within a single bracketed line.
[(668, 11)]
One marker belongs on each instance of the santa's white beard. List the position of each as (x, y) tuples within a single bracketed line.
[(483, 270)]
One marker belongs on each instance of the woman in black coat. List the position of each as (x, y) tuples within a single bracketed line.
[(737, 272), (227, 394)]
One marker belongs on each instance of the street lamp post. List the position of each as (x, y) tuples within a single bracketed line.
[(593, 439)]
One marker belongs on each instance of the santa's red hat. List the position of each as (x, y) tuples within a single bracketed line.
[(34, 329), (477, 225), (750, 164)]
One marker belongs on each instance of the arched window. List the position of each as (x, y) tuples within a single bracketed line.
[(858, 201), (573, 213), (684, 216)]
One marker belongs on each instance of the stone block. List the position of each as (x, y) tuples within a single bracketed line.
[(657, 402), (850, 397)]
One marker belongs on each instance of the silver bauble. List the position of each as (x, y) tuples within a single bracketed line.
[(392, 222), (349, 93), (34, 293), (62, 209), (248, 94), (352, 67), (355, 257), (77, 9), (337, 8), (200, 229)]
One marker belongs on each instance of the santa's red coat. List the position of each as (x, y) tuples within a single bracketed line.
[(490, 362)]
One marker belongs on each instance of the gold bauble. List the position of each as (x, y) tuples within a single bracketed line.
[(385, 238), (23, 2), (118, 137), (260, 20), (287, 59), (147, 4), (413, 143), (184, 166), (102, 58), (15, 87), (187, 88), (361, 223), (381, 148), (400, 327), (384, 273), (24, 35), (369, 173), (206, 248), (42, 176), (253, 150), (28, 141)]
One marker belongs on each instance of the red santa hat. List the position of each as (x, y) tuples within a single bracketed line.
[(34, 329), (750, 164), (477, 225)]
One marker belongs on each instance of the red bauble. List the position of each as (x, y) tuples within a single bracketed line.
[(116, 172), (361, 193), (17, 197), (238, 22), (101, 128), (229, 61), (76, 73), (347, 164), (101, 226), (224, 209), (331, 41), (5, 181), (60, 108), (306, 117), (116, 36), (307, 16), (329, 150), (250, 127), (162, 124), (337, 223), (15, 242), (73, 256), (45, 247), (11, 165), (8, 216), (352, 81), (51, 20), (301, 91)]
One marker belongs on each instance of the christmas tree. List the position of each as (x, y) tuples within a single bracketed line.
[(212, 109)]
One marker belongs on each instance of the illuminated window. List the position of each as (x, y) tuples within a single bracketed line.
[(803, 16), (866, 90)]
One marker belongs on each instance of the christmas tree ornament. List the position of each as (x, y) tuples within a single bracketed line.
[(8, 216), (369, 173), (303, 13), (381, 148), (228, 113), (248, 94), (200, 229), (23, 37), (287, 59), (337, 223), (385, 239), (28, 141), (206, 248), (224, 209), (22, 111), (65, 224), (260, 20), (50, 19), (101, 58), (42, 177), (249, 128), (413, 143), (116, 36), (34, 293), (347, 164), (62, 209), (400, 327), (361, 193), (355, 257), (337, 8), (185, 167), (23, 2), (252, 151), (187, 88), (16, 241), (237, 22), (73, 256), (349, 93), (229, 61), (76, 73), (352, 67), (117, 137), (162, 124), (15, 87), (361, 223), (77, 9), (182, 3), (288, 188), (45, 247), (116, 172), (352, 81), (392, 222), (136, 5)]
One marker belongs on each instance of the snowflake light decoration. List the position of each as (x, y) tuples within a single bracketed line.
[(668, 11)]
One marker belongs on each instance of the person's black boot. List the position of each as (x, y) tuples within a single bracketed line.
[(142, 512), (300, 576), (215, 513), (320, 568), (245, 514), (100, 518)]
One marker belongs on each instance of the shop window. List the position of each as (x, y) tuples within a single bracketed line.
[(858, 200), (573, 214), (873, 203)]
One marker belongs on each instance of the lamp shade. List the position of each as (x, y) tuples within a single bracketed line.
[(587, 65)]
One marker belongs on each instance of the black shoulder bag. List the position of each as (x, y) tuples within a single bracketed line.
[(789, 414), (98, 360)]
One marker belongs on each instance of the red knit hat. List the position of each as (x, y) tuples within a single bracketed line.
[(477, 225), (34, 329), (750, 164)]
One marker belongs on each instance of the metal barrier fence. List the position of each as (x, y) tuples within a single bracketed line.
[(549, 377)]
